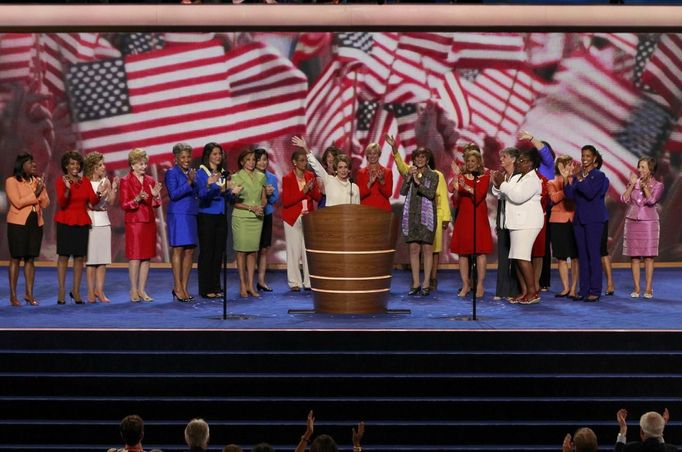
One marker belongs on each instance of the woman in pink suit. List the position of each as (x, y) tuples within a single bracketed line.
[(642, 226), (140, 195)]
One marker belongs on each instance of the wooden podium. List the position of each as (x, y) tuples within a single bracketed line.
[(350, 250)]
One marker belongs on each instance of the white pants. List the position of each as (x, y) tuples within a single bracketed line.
[(293, 235)]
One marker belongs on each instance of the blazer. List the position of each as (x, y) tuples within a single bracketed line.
[(182, 194), (292, 196), (563, 209), (73, 209), (142, 212), (589, 195), (22, 201), (650, 445), (271, 179), (377, 195), (211, 199), (640, 207), (523, 206)]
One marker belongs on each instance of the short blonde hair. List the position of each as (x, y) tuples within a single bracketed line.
[(373, 147), (136, 155), (91, 162), (197, 434)]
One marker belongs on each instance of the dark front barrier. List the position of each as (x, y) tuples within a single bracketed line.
[(350, 251)]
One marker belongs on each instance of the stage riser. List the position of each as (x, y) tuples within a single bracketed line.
[(407, 362), (444, 391)]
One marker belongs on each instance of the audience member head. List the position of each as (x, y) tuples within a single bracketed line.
[(213, 157), (262, 447), (132, 430), (508, 158), (585, 440), (588, 148), (196, 434), (232, 448), (324, 443), (473, 161), (244, 156), (651, 425), (137, 155), (528, 160), (650, 163), (419, 152), (339, 160)]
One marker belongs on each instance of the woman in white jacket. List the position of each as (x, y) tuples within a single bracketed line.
[(524, 218)]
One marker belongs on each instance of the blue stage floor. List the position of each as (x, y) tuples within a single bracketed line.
[(442, 310)]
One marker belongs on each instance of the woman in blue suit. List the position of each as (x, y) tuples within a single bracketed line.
[(587, 187), (182, 219)]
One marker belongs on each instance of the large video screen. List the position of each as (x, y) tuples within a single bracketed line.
[(112, 92)]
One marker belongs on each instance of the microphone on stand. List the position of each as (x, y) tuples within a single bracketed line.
[(350, 179)]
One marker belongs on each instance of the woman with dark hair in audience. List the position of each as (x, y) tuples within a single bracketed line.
[(561, 228), (99, 240), (462, 241), (140, 195), (507, 285), (299, 190), (375, 181), (328, 158), (524, 218), (247, 220), (587, 186), (642, 225), (419, 217), (181, 219), (27, 198), (272, 195), (325, 443), (74, 193), (213, 188)]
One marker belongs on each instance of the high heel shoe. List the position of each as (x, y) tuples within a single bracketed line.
[(146, 297), (415, 291), (92, 300), (134, 298), (31, 301), (263, 287), (74, 300), (14, 302), (102, 298), (463, 293), (181, 300)]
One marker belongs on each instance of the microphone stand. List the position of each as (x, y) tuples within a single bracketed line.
[(350, 196), (474, 264)]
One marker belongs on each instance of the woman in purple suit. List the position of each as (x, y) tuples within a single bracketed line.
[(642, 226), (587, 186), (182, 219)]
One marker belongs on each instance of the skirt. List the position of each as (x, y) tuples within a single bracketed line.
[(266, 234), (522, 243), (99, 246), (563, 240), (641, 238), (246, 233), (72, 240), (141, 240), (182, 229), (24, 240)]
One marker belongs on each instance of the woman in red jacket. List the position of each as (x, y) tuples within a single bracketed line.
[(140, 195), (375, 181), (74, 193), (299, 189)]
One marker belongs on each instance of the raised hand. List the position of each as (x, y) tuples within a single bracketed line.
[(67, 182), (300, 142), (191, 175), (156, 189), (567, 446), (621, 417), (524, 135), (358, 434), (390, 140)]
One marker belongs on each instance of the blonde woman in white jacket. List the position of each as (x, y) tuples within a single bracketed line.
[(524, 218)]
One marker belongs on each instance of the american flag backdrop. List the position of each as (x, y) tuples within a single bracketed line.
[(112, 92)]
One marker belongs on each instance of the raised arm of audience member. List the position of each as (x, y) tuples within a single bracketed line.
[(357, 437), (309, 428)]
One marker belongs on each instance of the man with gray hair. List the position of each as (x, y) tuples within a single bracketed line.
[(196, 435), (651, 426)]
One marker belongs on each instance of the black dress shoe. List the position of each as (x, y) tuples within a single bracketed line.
[(263, 288), (610, 292), (591, 299), (426, 291), (578, 298), (415, 291)]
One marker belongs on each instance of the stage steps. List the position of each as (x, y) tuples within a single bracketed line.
[(415, 390)]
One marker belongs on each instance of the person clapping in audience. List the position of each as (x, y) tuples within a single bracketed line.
[(651, 426), (325, 443), (584, 440)]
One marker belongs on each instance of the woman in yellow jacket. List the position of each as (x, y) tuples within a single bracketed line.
[(443, 214)]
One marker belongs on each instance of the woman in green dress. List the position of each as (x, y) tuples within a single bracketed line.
[(247, 220)]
